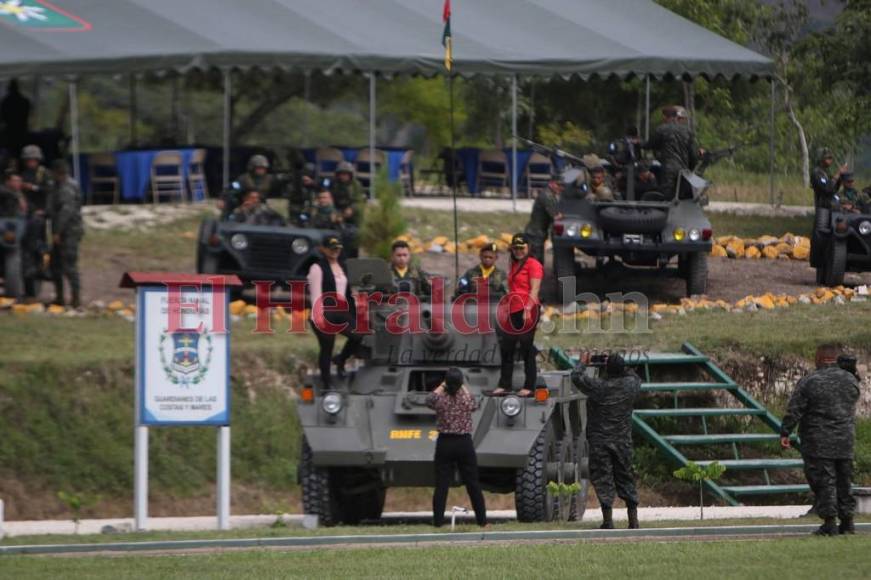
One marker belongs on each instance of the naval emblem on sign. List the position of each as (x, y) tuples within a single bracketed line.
[(180, 356)]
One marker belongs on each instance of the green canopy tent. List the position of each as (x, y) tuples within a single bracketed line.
[(526, 38)]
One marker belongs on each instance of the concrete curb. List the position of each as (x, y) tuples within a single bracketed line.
[(424, 539)]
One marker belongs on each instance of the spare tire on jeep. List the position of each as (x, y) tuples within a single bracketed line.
[(632, 220)]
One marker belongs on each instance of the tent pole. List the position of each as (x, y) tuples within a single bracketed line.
[(134, 112), (306, 96), (74, 128), (35, 98), (647, 108), (771, 145), (372, 135), (514, 143), (228, 89)]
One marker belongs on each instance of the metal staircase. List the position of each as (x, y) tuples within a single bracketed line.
[(692, 361)]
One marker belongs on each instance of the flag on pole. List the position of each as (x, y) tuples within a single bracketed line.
[(446, 35)]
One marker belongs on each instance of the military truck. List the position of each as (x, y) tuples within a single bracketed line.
[(663, 231), (257, 252), (842, 241), (11, 253), (373, 430)]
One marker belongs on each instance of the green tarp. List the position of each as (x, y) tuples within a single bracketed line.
[(526, 37)]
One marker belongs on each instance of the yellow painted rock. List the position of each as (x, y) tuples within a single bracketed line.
[(506, 237), (237, 307), (440, 240), (800, 253), (770, 252), (115, 305), (735, 248), (718, 251), (659, 308), (20, 308), (126, 313), (767, 240), (6, 302), (450, 247), (56, 309), (250, 309), (723, 240), (753, 253), (783, 248), (765, 302), (802, 242)]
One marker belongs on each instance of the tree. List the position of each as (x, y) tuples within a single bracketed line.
[(383, 223), (694, 472)]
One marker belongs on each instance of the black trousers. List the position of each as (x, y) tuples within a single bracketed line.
[(508, 345), (831, 480), (327, 342), (611, 472), (459, 451)]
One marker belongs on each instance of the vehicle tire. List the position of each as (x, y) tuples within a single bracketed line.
[(358, 507), (631, 220), (821, 274), (822, 219), (318, 490), (697, 273), (207, 262), (836, 263), (531, 499), (563, 267), (13, 276)]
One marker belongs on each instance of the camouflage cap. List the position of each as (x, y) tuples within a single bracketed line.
[(332, 242), (519, 241), (344, 167), (32, 152), (258, 161)]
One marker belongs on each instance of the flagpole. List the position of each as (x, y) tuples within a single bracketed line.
[(454, 177)]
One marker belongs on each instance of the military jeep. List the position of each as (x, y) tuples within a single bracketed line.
[(841, 243), (667, 232), (372, 430)]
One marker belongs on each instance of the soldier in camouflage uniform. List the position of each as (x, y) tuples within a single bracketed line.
[(254, 211), (37, 181), (825, 186), (407, 277), (12, 203), (823, 406), (487, 272), (301, 197), (674, 145), (545, 209), (322, 214), (348, 195), (256, 178), (609, 433), (37, 185), (599, 190), (853, 200), (64, 210)]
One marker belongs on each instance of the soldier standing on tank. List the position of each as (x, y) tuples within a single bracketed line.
[(823, 406), (609, 433), (674, 145), (406, 276), (545, 210), (64, 210), (484, 273)]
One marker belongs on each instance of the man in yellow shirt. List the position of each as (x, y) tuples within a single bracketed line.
[(486, 272)]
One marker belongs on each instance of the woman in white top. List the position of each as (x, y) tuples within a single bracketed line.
[(333, 310)]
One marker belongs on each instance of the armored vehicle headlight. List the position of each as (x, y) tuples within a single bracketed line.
[(511, 406), (695, 235), (299, 246), (865, 228), (679, 234), (239, 242), (572, 230), (332, 403), (586, 231)]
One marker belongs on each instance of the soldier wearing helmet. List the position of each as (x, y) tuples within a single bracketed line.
[(350, 202), (37, 179), (674, 145), (256, 178), (824, 184)]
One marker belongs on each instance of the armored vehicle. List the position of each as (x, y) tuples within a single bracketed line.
[(663, 231), (842, 242), (11, 255), (257, 252), (373, 430)]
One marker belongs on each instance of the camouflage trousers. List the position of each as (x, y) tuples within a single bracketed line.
[(831, 482), (611, 473), (65, 264)]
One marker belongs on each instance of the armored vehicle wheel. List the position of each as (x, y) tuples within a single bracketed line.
[(531, 499), (821, 273), (318, 491), (836, 263), (13, 278), (563, 267), (629, 220), (697, 273), (356, 506), (822, 217)]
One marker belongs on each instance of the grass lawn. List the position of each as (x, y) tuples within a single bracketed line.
[(782, 558)]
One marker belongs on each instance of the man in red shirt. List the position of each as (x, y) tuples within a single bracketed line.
[(518, 316)]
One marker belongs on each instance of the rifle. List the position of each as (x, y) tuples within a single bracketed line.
[(551, 151), (711, 157)]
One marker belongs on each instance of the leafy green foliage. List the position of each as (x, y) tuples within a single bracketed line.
[(696, 473), (384, 221)]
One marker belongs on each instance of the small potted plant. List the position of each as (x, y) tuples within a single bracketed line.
[(562, 494)]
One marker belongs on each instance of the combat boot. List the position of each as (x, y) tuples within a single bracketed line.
[(829, 528), (847, 526), (59, 293), (632, 512), (607, 518)]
